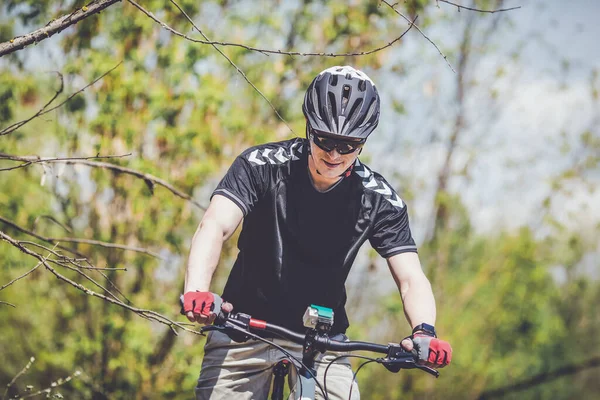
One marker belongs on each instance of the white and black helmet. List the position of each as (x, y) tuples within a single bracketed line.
[(342, 101)]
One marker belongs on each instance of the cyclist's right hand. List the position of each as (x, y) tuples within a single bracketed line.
[(203, 307)]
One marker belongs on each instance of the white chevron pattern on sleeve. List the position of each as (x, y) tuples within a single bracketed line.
[(278, 155), (253, 158), (370, 182)]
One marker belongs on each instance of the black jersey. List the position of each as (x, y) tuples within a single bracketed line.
[(297, 244)]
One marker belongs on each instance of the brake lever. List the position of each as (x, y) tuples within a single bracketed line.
[(395, 365), (429, 370), (208, 328), (398, 359)]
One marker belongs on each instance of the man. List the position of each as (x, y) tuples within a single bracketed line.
[(307, 206)]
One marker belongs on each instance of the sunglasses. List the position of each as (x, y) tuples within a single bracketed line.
[(328, 144)]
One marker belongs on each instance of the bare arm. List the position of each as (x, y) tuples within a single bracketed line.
[(218, 224), (414, 287)]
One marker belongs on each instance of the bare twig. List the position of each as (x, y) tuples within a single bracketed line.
[(52, 219), (149, 179), (19, 124), (108, 245), (43, 111), (264, 52), (102, 268), (20, 277), (393, 7), (54, 26), (8, 304), (259, 50), (25, 274), (37, 160), (31, 360), (86, 241), (89, 278), (53, 385), (35, 235), (66, 260), (459, 7), (83, 88), (237, 68), (147, 314)]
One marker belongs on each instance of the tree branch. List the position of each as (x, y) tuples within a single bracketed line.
[(55, 26), (49, 389), (19, 124), (149, 179), (237, 68), (107, 245), (259, 50), (22, 276), (43, 111), (24, 370), (77, 268), (392, 6), (459, 7), (76, 240), (37, 159), (147, 314)]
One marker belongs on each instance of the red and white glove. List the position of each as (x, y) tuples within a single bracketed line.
[(433, 352), (202, 307)]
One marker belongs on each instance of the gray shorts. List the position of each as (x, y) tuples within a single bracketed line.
[(233, 370)]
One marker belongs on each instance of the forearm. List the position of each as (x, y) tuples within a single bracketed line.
[(419, 302), (204, 257), (414, 287)]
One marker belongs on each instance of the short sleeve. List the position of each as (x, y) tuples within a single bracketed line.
[(244, 184), (391, 232)]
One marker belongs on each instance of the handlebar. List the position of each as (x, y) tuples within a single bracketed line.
[(315, 341)]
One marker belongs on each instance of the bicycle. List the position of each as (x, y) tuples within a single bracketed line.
[(318, 321)]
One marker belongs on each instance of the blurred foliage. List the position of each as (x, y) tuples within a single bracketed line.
[(184, 113)]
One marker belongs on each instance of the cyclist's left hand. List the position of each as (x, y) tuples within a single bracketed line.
[(432, 352)]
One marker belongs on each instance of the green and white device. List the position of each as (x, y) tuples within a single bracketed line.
[(318, 317)]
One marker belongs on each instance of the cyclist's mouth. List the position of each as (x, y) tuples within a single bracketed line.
[(332, 165)]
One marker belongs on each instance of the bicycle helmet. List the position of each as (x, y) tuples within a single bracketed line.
[(342, 101)]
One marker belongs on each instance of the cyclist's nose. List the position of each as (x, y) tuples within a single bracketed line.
[(333, 154)]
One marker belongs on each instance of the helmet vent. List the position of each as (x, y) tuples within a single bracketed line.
[(362, 85), (370, 113), (353, 115), (345, 97), (315, 101), (333, 79), (332, 108)]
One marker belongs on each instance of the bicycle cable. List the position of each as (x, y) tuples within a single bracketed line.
[(287, 353), (369, 360), (356, 373)]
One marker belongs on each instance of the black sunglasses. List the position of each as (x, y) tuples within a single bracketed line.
[(328, 144)]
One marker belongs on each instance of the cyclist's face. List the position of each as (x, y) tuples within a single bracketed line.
[(331, 164)]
